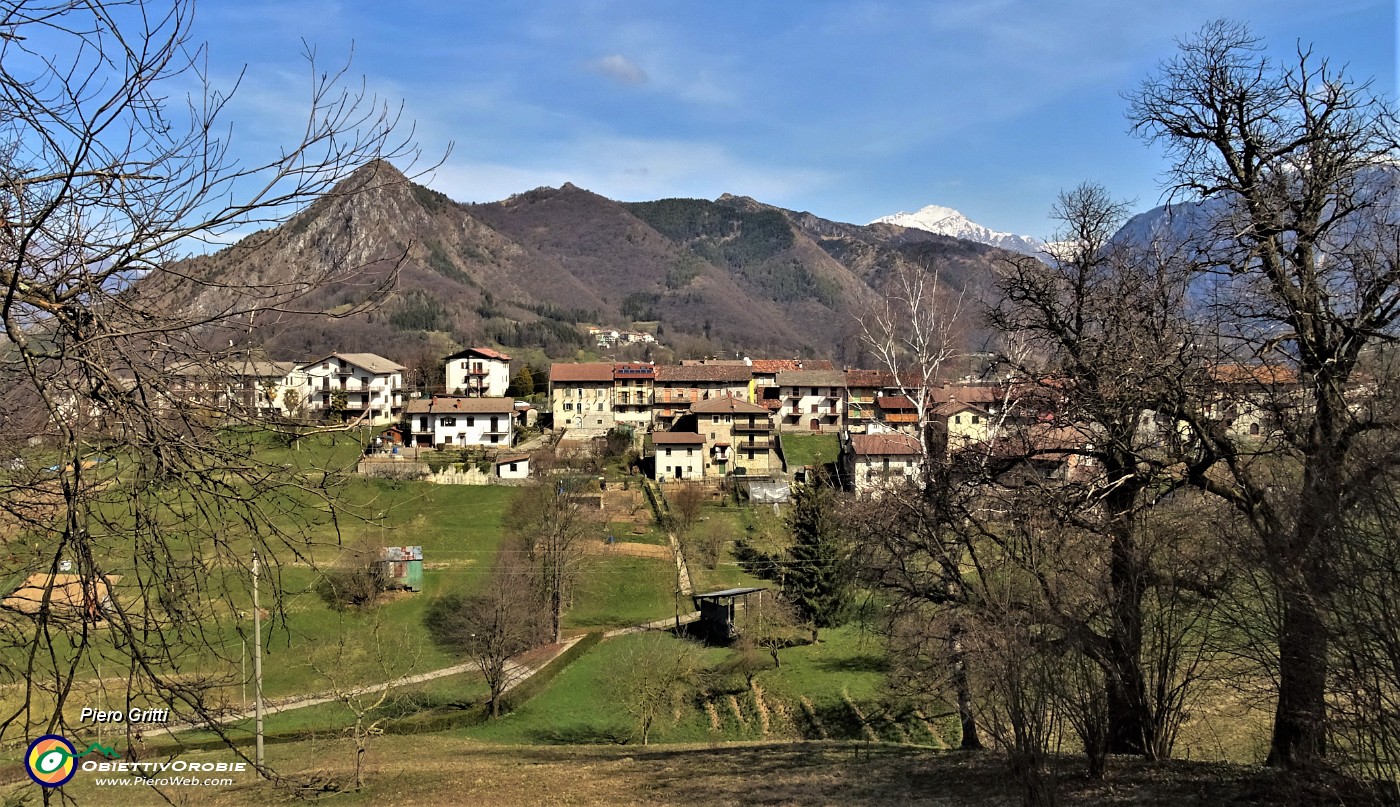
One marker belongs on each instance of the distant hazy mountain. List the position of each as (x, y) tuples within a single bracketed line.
[(947, 221)]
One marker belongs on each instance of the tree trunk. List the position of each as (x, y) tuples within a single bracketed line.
[(1300, 735), (1307, 579), (1130, 726), (971, 741)]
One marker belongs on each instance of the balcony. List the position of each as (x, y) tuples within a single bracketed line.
[(761, 426), (757, 442)]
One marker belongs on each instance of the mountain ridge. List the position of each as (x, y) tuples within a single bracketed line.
[(732, 275)]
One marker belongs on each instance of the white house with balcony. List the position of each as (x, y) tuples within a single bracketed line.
[(478, 372), (455, 421), (372, 385), (810, 400)]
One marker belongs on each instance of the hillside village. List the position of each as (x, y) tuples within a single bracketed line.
[(337, 488), (708, 419)]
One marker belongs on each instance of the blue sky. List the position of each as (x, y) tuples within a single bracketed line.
[(850, 110)]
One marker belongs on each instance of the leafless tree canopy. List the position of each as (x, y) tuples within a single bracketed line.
[(116, 163)]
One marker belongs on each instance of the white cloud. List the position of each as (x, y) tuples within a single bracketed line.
[(620, 69)]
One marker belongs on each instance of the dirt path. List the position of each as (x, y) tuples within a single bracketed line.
[(516, 673)]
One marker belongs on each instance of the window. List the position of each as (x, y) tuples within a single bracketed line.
[(712, 435), (364, 381), (471, 421), (422, 424), (568, 407), (714, 419), (1254, 428), (957, 419), (885, 465), (976, 418), (495, 438), (512, 467), (600, 408), (690, 452), (814, 409), (452, 421), (668, 453)]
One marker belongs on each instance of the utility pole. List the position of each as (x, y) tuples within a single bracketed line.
[(257, 671)]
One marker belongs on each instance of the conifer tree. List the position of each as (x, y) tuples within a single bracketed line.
[(816, 574)]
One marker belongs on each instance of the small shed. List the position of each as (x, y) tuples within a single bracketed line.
[(717, 612), (513, 466), (402, 566)]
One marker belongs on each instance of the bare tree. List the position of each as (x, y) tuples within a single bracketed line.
[(503, 620), (105, 181), (1114, 349), (392, 660), (548, 521), (653, 678), (910, 541), (1293, 164), (914, 332)]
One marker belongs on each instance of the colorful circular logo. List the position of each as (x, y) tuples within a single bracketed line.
[(51, 760)]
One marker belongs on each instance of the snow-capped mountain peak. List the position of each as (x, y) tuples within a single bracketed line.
[(947, 221)]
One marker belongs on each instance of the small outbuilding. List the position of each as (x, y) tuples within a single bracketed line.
[(717, 612), (402, 567), (513, 466)]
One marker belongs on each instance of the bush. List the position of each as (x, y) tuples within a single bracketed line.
[(355, 581)]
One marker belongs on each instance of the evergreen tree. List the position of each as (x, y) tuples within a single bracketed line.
[(523, 385), (817, 573)]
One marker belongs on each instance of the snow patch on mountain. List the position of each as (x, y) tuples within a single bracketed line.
[(947, 221)]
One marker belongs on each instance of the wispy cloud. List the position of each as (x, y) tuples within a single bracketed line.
[(631, 169), (620, 69)]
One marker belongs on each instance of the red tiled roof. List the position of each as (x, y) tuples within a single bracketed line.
[(676, 438), (885, 445), (954, 407), (894, 403), (727, 404), (811, 378), (624, 370), (483, 352), (581, 371), (704, 372), (445, 404), (1252, 374), (778, 365)]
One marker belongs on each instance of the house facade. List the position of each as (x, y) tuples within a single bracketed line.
[(634, 393), (581, 395), (873, 462), (372, 385), (811, 400), (679, 387), (478, 372), (678, 455), (458, 421), (738, 436)]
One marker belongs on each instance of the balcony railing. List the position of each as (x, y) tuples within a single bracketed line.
[(757, 426)]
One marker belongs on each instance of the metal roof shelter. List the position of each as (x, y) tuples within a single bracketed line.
[(717, 611)]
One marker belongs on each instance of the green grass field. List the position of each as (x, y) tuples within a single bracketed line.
[(809, 449)]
